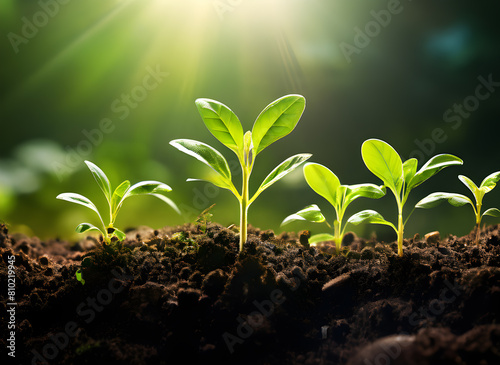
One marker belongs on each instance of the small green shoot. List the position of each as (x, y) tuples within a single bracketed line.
[(458, 200), (385, 163), (277, 120), (79, 277), (326, 184), (115, 201), (204, 219)]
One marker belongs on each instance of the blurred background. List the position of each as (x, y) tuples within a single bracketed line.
[(113, 81)]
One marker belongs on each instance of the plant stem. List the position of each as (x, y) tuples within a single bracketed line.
[(107, 238), (337, 234), (477, 233), (244, 207), (400, 233), (478, 221)]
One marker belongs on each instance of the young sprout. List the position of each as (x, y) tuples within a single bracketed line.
[(203, 219), (276, 121), (384, 162), (325, 183), (115, 201), (457, 200)]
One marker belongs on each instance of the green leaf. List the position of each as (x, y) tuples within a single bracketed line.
[(248, 156), (311, 213), (323, 181), (363, 190), (322, 237), (490, 181), (492, 212), (222, 123), (215, 179), (204, 153), (277, 120), (119, 234), (147, 187), (101, 179), (282, 170), (85, 227), (118, 194), (151, 187), (369, 216), (78, 199), (434, 199), (409, 169), (341, 196), (168, 201), (470, 184), (384, 162), (432, 167)]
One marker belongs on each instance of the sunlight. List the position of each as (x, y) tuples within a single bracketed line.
[(66, 53)]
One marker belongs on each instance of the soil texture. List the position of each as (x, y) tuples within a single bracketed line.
[(185, 295)]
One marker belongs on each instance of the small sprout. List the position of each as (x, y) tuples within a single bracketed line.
[(384, 162), (205, 218), (432, 238), (79, 277), (325, 183), (115, 201), (277, 120), (458, 200)]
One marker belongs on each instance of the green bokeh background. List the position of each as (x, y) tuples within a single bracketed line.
[(72, 69)]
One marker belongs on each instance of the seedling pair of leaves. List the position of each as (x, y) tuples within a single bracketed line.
[(276, 121), (115, 199), (326, 184), (385, 163), (458, 200)]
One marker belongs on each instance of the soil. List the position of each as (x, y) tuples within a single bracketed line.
[(185, 295)]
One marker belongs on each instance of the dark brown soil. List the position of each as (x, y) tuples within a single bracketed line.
[(179, 296)]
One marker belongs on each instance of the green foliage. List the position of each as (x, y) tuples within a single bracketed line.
[(384, 162), (115, 201), (326, 184), (276, 121), (458, 200)]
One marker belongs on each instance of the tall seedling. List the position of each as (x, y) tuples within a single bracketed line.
[(384, 162), (276, 121)]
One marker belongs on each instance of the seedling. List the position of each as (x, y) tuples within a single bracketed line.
[(115, 201), (457, 200), (384, 162), (79, 276), (325, 183), (204, 219), (276, 121)]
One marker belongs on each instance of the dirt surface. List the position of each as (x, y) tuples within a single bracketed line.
[(185, 296)]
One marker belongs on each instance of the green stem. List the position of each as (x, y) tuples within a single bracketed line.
[(338, 235), (111, 215), (244, 207), (111, 222), (400, 233), (108, 236), (478, 222)]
